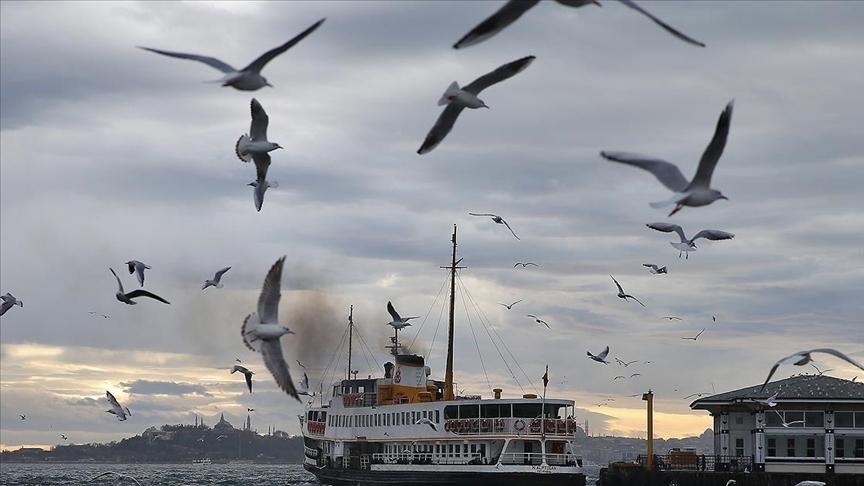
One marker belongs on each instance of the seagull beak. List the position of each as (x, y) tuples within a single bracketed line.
[(724, 197), (595, 2), (279, 147), (268, 84)]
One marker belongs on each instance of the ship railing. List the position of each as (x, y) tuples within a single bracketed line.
[(359, 399), (511, 426), (698, 462), (425, 458)]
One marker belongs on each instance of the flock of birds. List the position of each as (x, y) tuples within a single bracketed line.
[(261, 331)]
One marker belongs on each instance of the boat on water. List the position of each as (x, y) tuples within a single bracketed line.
[(203, 462), (409, 429)]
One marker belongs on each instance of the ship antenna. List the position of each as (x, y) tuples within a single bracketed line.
[(350, 336), (448, 377)]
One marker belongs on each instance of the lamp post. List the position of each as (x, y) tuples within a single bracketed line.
[(649, 397)]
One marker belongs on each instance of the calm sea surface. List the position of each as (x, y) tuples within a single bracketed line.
[(234, 474)]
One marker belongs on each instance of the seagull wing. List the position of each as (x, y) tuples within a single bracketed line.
[(271, 350), (770, 374), (710, 234), (620, 290), (650, 265), (505, 16), (219, 274), (659, 22), (834, 352), (119, 283), (500, 74), (258, 128), (668, 228), (666, 172), (714, 150), (511, 229), (143, 293), (485, 214), (442, 127), (603, 354), (248, 380), (5, 306), (268, 56), (262, 163), (634, 298), (700, 333), (393, 313), (111, 399), (268, 301), (210, 61)]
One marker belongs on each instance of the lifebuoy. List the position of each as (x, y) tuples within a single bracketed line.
[(519, 425), (499, 425), (535, 425), (550, 426), (484, 425), (447, 425), (475, 425)]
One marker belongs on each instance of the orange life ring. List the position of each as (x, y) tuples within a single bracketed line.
[(519, 425), (499, 425), (535, 425), (550, 426), (484, 425), (475, 425), (447, 425)]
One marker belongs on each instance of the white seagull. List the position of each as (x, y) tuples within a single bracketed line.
[(398, 322), (654, 269), (304, 387), (600, 357), (499, 220), (126, 298), (216, 279), (122, 476), (9, 300), (803, 357), (458, 99), (262, 332), (686, 246), (261, 186), (256, 141), (121, 412), (696, 192), (697, 336), (248, 78), (811, 483), (624, 296), (509, 307), (514, 9), (138, 268), (426, 421), (539, 321), (770, 401), (246, 372)]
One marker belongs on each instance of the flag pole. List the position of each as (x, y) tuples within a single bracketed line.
[(543, 414)]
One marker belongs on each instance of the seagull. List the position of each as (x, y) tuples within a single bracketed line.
[(8, 301), (221, 437), (619, 376), (23, 417), (248, 78), (787, 424), (246, 372), (686, 246), (98, 313), (511, 305), (671, 317), (697, 336), (621, 293), (699, 395), (123, 476), (398, 322), (138, 268), (696, 192), (237, 360), (803, 357), (261, 186), (625, 363), (811, 483), (538, 320), (601, 357), (770, 401), (426, 421), (116, 409), (458, 99), (256, 141), (635, 374), (64, 437), (514, 9), (731, 482), (216, 279), (524, 264), (654, 269), (304, 387), (127, 297), (499, 220), (647, 362), (263, 332), (250, 409), (821, 372), (300, 364)]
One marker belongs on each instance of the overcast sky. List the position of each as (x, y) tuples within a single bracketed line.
[(111, 153)]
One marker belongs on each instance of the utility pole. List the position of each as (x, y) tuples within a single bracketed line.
[(649, 397)]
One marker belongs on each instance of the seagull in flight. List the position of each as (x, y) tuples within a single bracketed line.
[(98, 314), (121, 476), (698, 395), (300, 364), (126, 298), (600, 357), (671, 317), (803, 357), (619, 376), (9, 300), (304, 387), (248, 78), (514, 9), (821, 372), (787, 424), (511, 305), (696, 192), (654, 269), (625, 363), (246, 372), (457, 99), (697, 336), (216, 279), (538, 320), (770, 401), (116, 409), (138, 268), (499, 220), (621, 293), (23, 417), (64, 437), (255, 142), (398, 322), (262, 332), (686, 246), (524, 264), (426, 421)]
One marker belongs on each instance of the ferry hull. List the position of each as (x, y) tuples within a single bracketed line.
[(354, 477)]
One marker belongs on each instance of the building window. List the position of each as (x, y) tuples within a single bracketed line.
[(844, 420), (859, 420), (794, 419), (814, 419), (772, 447), (739, 420), (773, 419), (839, 447), (859, 448), (739, 447), (811, 447), (790, 447)]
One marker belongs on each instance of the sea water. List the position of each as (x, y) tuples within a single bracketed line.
[(231, 474)]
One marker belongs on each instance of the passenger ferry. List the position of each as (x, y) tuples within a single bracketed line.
[(409, 429)]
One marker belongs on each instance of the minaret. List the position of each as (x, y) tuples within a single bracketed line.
[(248, 422)]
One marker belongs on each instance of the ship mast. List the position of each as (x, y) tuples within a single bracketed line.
[(350, 337), (448, 377)]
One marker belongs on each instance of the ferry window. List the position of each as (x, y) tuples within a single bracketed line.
[(413, 416), (425, 414), (859, 448), (552, 409), (844, 420), (814, 419), (739, 447), (859, 420), (469, 411), (437, 417), (403, 419), (840, 447), (795, 417), (772, 447), (495, 410), (451, 412), (811, 447), (526, 410), (790, 447)]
